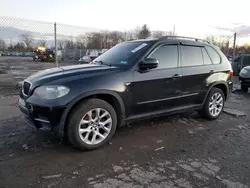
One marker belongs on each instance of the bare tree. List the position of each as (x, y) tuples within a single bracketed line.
[(61, 44), (115, 37), (80, 42), (130, 35), (157, 34), (19, 46), (221, 41), (218, 40), (94, 40), (171, 33), (42, 42), (27, 39), (70, 44), (2, 44)]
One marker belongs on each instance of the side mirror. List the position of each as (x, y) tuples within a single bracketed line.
[(148, 63)]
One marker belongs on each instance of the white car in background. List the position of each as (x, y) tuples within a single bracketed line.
[(92, 55), (87, 59)]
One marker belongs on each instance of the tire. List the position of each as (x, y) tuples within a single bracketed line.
[(244, 88), (93, 130), (206, 112)]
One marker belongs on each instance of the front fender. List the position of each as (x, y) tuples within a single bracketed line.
[(61, 126)]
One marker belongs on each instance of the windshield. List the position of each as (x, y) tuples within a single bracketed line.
[(123, 54)]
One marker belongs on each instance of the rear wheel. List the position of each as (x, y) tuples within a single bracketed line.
[(214, 104), (92, 124)]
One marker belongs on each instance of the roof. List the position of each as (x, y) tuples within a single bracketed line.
[(183, 38), (191, 40)]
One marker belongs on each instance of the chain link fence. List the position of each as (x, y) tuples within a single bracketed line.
[(17, 41), (28, 46)]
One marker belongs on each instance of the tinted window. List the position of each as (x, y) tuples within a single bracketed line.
[(213, 54), (191, 56), (167, 56), (124, 53), (246, 60), (206, 58)]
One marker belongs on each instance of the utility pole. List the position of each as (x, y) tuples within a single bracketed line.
[(234, 46), (227, 52), (55, 45), (174, 31)]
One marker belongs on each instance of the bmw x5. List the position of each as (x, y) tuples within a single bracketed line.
[(131, 81)]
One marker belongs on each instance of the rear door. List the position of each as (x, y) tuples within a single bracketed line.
[(196, 68)]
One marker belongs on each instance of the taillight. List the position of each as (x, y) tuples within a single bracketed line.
[(231, 74)]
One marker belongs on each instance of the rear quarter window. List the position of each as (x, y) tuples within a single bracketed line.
[(215, 57), (206, 58)]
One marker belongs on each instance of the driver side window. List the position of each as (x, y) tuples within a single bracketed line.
[(167, 56)]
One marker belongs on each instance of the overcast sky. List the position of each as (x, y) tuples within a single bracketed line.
[(190, 17)]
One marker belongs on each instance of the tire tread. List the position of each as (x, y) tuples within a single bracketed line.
[(81, 109)]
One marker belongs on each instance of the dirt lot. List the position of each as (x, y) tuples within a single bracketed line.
[(178, 151), (16, 69)]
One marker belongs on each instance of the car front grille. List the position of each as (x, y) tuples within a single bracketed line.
[(26, 88)]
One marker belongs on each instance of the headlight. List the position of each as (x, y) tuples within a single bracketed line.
[(51, 92)]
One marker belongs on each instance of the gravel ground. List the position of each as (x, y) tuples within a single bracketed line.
[(16, 69), (176, 151)]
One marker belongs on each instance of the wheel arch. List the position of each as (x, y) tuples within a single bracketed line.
[(111, 97), (221, 85)]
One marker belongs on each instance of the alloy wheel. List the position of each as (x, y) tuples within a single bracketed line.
[(216, 104), (95, 126)]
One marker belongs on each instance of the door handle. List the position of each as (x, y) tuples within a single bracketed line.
[(176, 76)]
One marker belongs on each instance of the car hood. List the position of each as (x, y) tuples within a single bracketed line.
[(247, 68), (245, 72), (49, 75)]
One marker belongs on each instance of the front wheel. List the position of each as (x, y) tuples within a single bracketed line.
[(214, 104), (92, 124)]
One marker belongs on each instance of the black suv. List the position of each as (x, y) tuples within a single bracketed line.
[(133, 80)]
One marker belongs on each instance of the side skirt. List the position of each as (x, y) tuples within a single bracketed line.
[(159, 113)]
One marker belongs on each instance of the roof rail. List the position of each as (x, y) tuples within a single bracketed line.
[(182, 37)]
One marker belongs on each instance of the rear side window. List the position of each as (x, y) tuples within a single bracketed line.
[(191, 56), (206, 58), (213, 54), (167, 56)]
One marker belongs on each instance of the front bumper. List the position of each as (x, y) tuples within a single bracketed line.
[(43, 118)]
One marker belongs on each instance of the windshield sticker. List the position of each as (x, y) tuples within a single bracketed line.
[(139, 47), (123, 62)]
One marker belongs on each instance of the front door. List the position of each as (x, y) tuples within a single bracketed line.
[(159, 88)]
